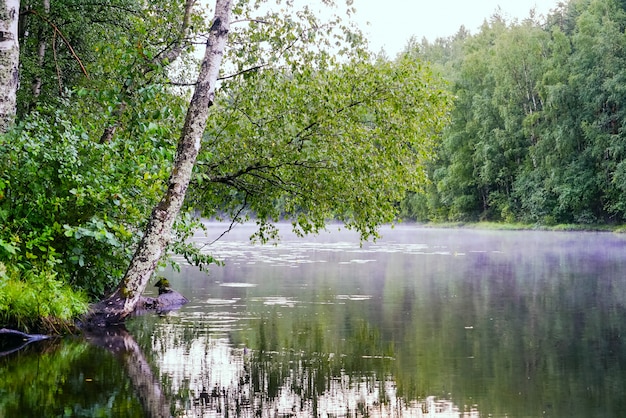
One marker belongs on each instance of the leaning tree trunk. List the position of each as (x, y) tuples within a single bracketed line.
[(9, 61), (157, 234)]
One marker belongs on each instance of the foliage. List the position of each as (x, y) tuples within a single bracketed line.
[(65, 206), (306, 125), (342, 137), (37, 301), (102, 44), (66, 377), (72, 203), (537, 131)]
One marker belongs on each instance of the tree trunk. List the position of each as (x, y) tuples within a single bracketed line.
[(157, 234), (41, 55), (9, 61)]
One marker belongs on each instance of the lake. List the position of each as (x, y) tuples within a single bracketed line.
[(424, 322)]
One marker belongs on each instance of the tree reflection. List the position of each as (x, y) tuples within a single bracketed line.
[(65, 377), (110, 375), (516, 332), (270, 370), (147, 387)]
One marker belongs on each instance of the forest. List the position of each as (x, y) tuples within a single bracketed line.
[(537, 131), (520, 122)]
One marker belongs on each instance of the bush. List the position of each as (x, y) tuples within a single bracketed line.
[(72, 210), (71, 205)]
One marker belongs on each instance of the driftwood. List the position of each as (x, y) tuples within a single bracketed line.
[(12, 340)]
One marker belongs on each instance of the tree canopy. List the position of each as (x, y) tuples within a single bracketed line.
[(537, 131), (305, 124)]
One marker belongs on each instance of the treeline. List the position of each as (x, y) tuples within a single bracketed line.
[(538, 130)]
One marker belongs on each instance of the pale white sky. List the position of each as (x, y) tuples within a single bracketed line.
[(393, 22)]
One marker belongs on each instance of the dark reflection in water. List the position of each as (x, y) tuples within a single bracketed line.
[(65, 378), (424, 322)]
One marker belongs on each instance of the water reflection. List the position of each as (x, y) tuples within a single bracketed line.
[(213, 376), (65, 378), (511, 324), (133, 361), (424, 322)]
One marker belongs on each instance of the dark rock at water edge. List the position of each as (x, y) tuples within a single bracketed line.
[(168, 301)]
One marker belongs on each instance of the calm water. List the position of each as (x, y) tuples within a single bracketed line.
[(424, 322)]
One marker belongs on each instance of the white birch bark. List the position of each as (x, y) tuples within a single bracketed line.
[(9, 61), (158, 232)]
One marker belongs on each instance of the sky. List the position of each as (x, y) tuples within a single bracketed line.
[(393, 22)]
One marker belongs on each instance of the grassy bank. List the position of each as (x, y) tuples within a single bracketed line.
[(504, 226), (38, 302)]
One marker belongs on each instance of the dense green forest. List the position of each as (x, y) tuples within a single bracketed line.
[(538, 130)]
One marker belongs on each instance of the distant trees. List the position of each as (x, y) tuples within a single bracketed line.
[(538, 129)]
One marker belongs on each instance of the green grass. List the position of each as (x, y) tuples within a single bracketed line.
[(38, 301)]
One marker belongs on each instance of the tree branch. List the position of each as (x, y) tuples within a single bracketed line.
[(171, 53), (256, 67), (57, 30), (253, 169), (234, 219), (56, 62), (265, 22)]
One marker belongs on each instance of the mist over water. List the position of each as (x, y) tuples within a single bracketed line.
[(423, 322), (494, 322)]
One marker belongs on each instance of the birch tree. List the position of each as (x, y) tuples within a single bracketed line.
[(310, 127), (158, 232), (9, 61)]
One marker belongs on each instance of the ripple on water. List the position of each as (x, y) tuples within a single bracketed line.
[(277, 301), (218, 301), (354, 297), (357, 261), (238, 284)]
